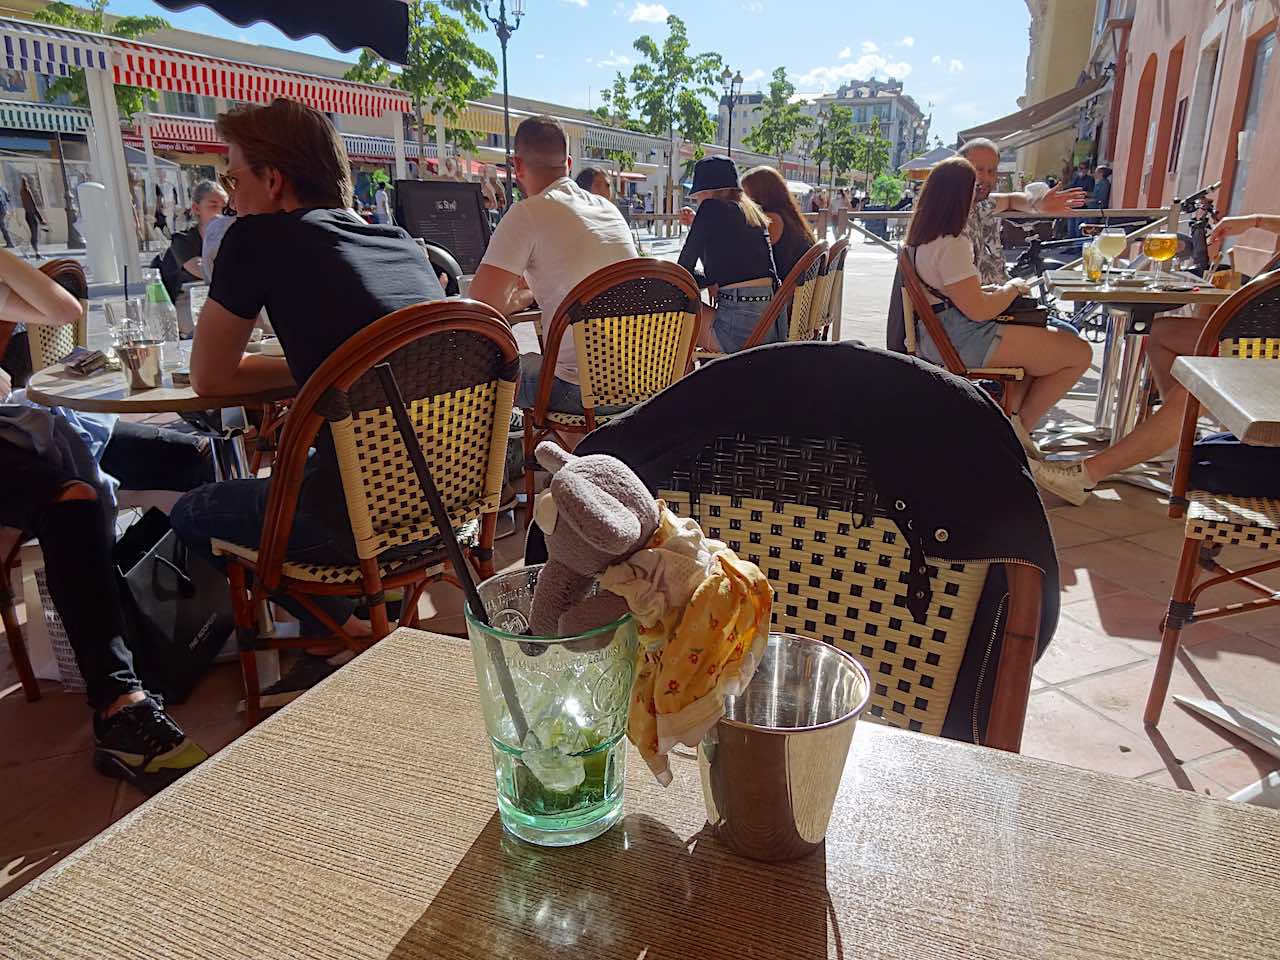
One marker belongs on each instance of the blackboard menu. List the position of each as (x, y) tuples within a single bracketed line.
[(448, 212)]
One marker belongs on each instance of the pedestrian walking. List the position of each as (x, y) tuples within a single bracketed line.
[(6, 202), (31, 212)]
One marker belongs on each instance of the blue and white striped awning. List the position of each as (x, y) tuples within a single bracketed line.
[(44, 117), (48, 50)]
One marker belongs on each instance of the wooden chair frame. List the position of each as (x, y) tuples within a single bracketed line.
[(537, 425), (922, 309), (353, 359), (1197, 552), (836, 255)]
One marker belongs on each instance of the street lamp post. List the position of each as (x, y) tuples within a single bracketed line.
[(732, 83), (74, 240), (504, 30)]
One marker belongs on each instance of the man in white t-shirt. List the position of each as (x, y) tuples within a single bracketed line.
[(382, 204), (546, 245)]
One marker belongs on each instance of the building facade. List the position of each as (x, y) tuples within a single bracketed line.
[(1197, 101), (1060, 43), (902, 122), (747, 113)]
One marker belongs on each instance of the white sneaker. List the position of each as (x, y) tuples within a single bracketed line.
[(1067, 480), (1032, 449)]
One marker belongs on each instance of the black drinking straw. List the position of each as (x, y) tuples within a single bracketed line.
[(395, 400)]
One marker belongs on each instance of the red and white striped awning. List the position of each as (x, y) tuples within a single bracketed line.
[(161, 68), (197, 132), (182, 129)]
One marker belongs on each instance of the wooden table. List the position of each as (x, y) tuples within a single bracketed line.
[(1243, 394), (360, 822)]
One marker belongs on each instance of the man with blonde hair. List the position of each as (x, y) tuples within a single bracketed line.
[(298, 250)]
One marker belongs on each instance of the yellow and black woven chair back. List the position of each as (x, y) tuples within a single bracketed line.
[(458, 388), (805, 511), (808, 311), (633, 326), (1252, 331), (49, 344), (836, 257)]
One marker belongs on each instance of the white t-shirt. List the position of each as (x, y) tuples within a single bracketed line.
[(945, 261), (382, 202), (557, 239)]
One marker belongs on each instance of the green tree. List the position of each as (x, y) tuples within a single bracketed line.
[(887, 190), (446, 67), (873, 152), (840, 148), (129, 100), (672, 86), (782, 121), (618, 106)]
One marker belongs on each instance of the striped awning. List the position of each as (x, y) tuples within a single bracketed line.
[(361, 147), (48, 50), (162, 68), (197, 131), (45, 117)]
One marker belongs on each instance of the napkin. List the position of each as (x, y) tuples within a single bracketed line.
[(703, 616)]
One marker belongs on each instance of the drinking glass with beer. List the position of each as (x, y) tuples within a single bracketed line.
[(1159, 247)]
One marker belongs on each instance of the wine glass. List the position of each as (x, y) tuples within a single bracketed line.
[(1111, 242), (1159, 247)]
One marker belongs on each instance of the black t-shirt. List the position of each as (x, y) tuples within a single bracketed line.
[(183, 245), (731, 250), (322, 275), (791, 246)]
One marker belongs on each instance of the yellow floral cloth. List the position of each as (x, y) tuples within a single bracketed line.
[(703, 615)]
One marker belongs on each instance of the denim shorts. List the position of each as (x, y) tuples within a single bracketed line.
[(975, 342), (738, 311)]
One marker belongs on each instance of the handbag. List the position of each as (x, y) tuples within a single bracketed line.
[(176, 604), (1024, 312)]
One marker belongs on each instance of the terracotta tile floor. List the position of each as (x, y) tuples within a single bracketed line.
[(1117, 556)]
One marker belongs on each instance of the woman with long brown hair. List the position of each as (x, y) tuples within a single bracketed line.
[(790, 235), (943, 260), (730, 238)]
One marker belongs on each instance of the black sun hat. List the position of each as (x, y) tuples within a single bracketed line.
[(715, 173)]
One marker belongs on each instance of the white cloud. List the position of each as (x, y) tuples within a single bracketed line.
[(907, 42), (755, 7), (844, 54), (935, 60), (648, 13), (576, 3), (754, 75), (869, 47), (866, 66), (539, 56), (955, 66), (614, 60)]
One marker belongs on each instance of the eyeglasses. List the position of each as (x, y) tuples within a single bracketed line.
[(231, 177)]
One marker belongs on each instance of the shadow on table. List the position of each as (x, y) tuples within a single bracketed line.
[(637, 891)]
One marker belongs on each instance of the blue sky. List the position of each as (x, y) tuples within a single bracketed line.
[(968, 60)]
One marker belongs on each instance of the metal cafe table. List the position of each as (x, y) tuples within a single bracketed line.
[(360, 822)]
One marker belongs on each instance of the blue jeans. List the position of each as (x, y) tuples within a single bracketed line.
[(566, 397), (235, 510), (736, 319)]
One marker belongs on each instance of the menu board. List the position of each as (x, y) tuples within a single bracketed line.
[(448, 212)]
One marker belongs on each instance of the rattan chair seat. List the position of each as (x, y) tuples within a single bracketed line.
[(1233, 521), (574, 419), (430, 561), (1005, 373)]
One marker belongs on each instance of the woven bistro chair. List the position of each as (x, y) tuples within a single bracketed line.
[(829, 328), (457, 365), (1247, 325), (864, 550), (799, 295), (49, 344), (916, 305), (633, 325)]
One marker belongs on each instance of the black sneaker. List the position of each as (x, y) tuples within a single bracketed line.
[(302, 675), (143, 745)]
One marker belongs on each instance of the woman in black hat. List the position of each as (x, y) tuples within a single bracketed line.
[(730, 236)]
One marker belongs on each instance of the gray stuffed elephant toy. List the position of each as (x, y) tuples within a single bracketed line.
[(595, 513)]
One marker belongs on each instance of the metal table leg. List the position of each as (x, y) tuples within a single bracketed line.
[(1104, 409), (1126, 414)]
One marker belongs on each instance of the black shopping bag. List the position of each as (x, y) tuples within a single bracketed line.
[(177, 607)]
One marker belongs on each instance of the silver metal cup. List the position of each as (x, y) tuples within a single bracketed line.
[(771, 767), (141, 364)]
